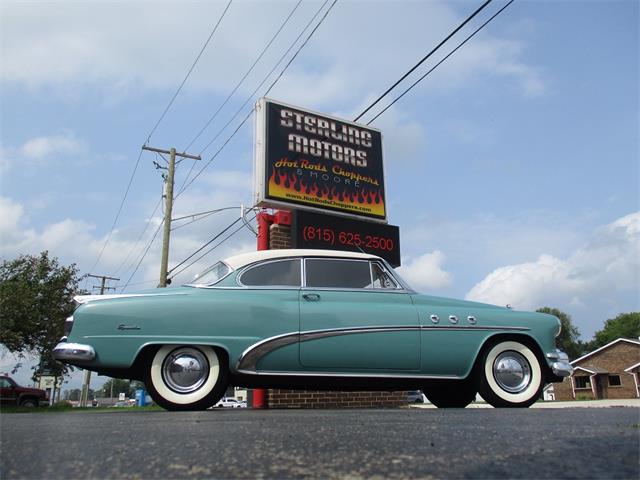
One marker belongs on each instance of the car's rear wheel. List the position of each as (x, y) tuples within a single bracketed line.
[(187, 377), (454, 394), (509, 375)]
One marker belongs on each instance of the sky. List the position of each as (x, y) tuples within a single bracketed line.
[(512, 170)]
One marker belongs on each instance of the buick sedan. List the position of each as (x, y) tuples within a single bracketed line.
[(312, 319)]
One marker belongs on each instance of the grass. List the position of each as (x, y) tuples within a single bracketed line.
[(67, 408)]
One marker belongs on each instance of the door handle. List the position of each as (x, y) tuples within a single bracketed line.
[(311, 297)]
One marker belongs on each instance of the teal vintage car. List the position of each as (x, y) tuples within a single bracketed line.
[(312, 319)]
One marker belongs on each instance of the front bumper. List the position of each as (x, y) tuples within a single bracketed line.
[(561, 366), (73, 352)]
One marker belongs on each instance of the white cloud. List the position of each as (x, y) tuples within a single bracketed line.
[(40, 147), (74, 45), (40, 150), (604, 271), (425, 272)]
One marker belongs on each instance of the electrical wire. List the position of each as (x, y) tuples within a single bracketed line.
[(215, 28), (115, 220), (250, 97), (244, 77), (188, 182), (143, 255), (201, 216), (135, 246), (424, 58), (212, 248), (441, 61), (205, 245)]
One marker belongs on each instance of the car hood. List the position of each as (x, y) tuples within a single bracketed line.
[(154, 292)]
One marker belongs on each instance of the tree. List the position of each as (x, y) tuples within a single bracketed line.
[(128, 387), (625, 325), (567, 341), (36, 295)]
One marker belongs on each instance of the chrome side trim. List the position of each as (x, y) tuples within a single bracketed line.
[(73, 351), (251, 356), (81, 299), (348, 375)]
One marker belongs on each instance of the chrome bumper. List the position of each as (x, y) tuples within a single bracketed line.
[(561, 367), (73, 351)]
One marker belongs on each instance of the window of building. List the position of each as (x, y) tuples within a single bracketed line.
[(614, 381), (331, 273), (582, 382), (284, 273)]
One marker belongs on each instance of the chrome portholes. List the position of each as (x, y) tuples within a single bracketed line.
[(472, 320), (453, 319), (512, 372), (435, 318), (185, 370)]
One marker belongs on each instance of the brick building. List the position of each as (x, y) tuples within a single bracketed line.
[(611, 371)]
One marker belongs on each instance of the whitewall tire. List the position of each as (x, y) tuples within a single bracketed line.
[(509, 375), (186, 377)]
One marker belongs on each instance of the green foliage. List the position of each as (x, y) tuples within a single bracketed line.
[(568, 340), (625, 325), (128, 387), (36, 296)]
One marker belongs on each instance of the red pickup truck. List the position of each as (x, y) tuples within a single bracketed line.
[(13, 394)]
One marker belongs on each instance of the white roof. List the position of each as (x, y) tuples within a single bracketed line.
[(239, 261)]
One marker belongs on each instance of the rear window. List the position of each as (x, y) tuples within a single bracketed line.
[(212, 274), (332, 273)]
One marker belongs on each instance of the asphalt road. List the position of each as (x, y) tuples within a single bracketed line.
[(404, 443)]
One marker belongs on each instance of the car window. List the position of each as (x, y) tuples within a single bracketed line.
[(5, 383), (381, 279), (280, 273), (331, 273), (212, 274)]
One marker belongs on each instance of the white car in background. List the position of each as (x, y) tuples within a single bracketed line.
[(230, 402)]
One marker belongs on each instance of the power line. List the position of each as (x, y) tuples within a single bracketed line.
[(115, 220), (205, 245), (201, 216), (143, 255), (441, 61), (186, 184), (264, 50), (214, 247), (215, 28), (135, 246), (424, 58)]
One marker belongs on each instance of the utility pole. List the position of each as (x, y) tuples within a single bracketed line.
[(84, 394), (168, 195)]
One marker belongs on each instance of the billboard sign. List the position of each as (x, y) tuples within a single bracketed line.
[(317, 162), (331, 232)]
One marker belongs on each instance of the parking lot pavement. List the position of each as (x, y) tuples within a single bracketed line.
[(630, 402), (281, 444)]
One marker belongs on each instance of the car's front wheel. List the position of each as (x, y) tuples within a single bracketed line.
[(186, 377), (509, 375), (454, 394)]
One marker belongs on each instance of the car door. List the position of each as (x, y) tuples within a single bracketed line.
[(8, 394), (355, 317)]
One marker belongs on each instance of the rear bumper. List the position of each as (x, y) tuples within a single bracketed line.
[(560, 366), (76, 352)]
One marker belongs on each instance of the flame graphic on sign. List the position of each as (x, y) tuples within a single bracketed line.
[(289, 186)]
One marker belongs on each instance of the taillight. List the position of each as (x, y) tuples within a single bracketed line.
[(68, 324)]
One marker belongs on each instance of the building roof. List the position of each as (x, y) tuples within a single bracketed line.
[(610, 344), (593, 370), (244, 259), (632, 367)]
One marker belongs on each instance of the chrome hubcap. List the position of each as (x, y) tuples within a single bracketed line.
[(512, 372), (185, 370)]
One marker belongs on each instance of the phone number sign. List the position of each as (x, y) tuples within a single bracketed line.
[(330, 232)]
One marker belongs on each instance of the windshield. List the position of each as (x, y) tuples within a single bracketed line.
[(211, 275)]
